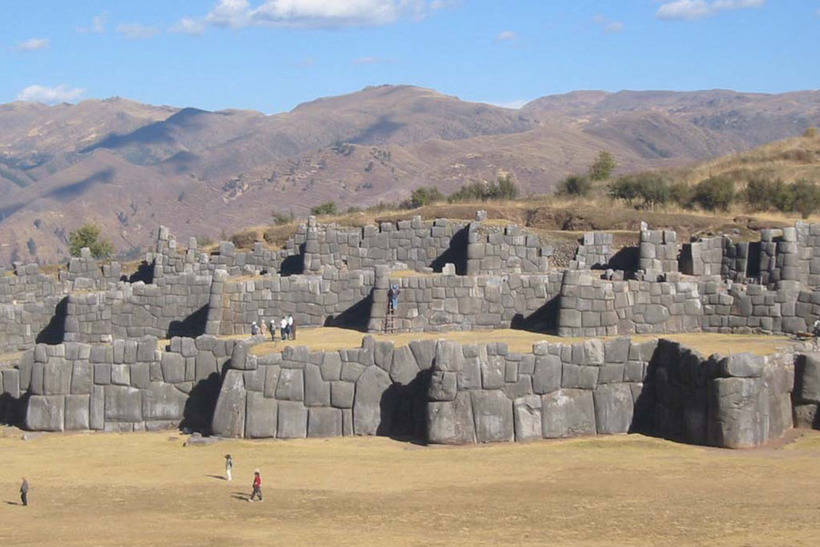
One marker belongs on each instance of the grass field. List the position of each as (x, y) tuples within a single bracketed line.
[(330, 338), (147, 489)]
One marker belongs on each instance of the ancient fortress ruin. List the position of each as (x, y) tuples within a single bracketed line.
[(82, 350)]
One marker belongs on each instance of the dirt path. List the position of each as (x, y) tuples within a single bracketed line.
[(147, 489)]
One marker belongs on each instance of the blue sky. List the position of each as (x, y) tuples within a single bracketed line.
[(270, 55)]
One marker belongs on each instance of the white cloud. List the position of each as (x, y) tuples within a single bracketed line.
[(314, 13), (33, 44), (50, 95), (188, 25), (698, 9), (135, 31), (506, 36), (97, 25), (371, 60), (608, 25)]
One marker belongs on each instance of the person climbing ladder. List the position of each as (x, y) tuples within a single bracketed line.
[(392, 306)]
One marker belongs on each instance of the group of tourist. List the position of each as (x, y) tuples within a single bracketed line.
[(287, 328), (256, 485)]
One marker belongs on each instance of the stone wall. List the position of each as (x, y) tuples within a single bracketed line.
[(171, 306), (451, 302), (658, 252), (487, 394), (591, 306), (375, 389), (335, 297), (128, 385), (594, 252), (496, 249), (807, 391)]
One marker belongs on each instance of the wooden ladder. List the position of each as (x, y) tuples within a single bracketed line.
[(389, 321)]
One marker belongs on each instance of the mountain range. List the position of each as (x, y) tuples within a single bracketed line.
[(129, 166)]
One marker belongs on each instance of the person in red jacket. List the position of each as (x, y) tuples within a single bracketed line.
[(257, 486)]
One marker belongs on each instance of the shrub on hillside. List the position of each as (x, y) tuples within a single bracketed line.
[(424, 196), (503, 188), (282, 218), (810, 133), (806, 197), (244, 240), (643, 190), (88, 235), (575, 185), (603, 166), (681, 194), (326, 208), (763, 193), (715, 193)]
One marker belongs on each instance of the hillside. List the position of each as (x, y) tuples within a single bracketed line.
[(130, 167)]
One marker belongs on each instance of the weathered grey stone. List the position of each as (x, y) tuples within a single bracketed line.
[(579, 377), (449, 356), (317, 391), (163, 402), (45, 413), (240, 354), (271, 380), (292, 420), (368, 418), (492, 372), (351, 371), (331, 368), (493, 414), (451, 422), (594, 352), (547, 374), (567, 413), (57, 376), (146, 347), (742, 365), (205, 365), (404, 369), (383, 355), (443, 386), (424, 351), (122, 404), (617, 350), (806, 416), (77, 412), (291, 386), (260, 416), (121, 375), (736, 417), (324, 422), (173, 367), (527, 412), (229, 414), (140, 375), (81, 380), (808, 378), (613, 408), (96, 419), (341, 394)]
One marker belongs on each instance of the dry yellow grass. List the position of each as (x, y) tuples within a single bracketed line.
[(147, 489), (332, 338)]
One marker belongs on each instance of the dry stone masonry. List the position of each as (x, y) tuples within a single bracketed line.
[(80, 350)]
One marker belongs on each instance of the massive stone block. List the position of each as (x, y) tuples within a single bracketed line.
[(527, 413), (45, 413), (324, 422), (808, 378), (567, 413), (368, 418), (229, 414), (317, 391), (737, 413), (404, 369), (291, 386), (493, 413), (163, 402), (123, 404), (77, 412), (261, 416), (292, 420), (451, 422), (613, 408), (546, 377)]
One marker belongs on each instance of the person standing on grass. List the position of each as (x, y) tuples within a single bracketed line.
[(283, 327), (291, 328), (273, 330), (24, 492), (228, 466), (257, 486), (254, 329)]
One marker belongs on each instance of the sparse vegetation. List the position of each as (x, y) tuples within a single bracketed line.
[(326, 208), (810, 133), (244, 240), (603, 166), (716, 192), (642, 190), (424, 196), (280, 218), (575, 185), (88, 235), (503, 188), (32, 246)]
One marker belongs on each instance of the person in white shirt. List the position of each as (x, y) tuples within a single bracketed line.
[(283, 326), (291, 328)]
